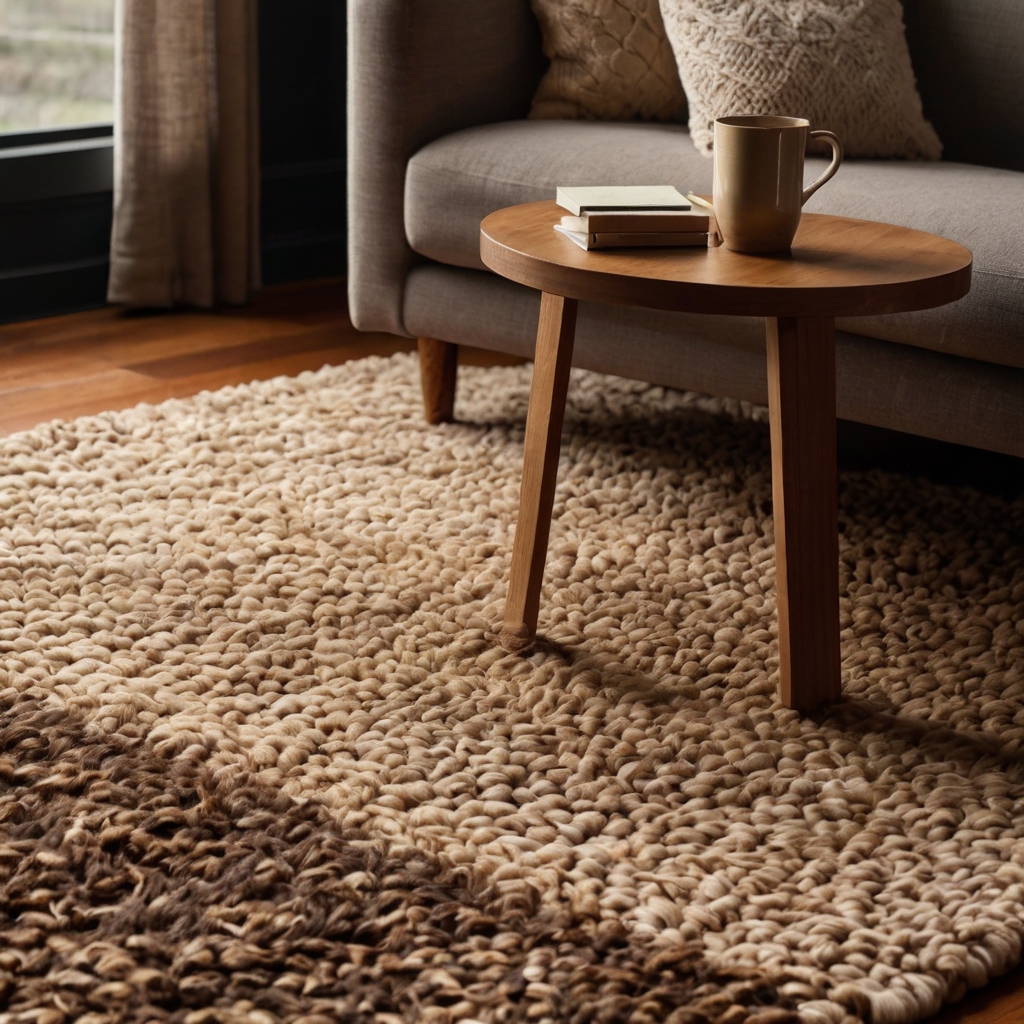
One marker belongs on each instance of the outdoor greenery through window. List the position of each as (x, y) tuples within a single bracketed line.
[(56, 63)]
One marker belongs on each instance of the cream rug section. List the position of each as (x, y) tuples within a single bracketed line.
[(300, 579)]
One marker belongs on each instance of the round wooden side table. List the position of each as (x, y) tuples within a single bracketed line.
[(838, 266)]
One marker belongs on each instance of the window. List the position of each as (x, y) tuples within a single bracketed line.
[(56, 63), (56, 154)]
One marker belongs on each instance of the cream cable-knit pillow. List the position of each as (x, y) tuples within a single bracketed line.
[(610, 60), (842, 64)]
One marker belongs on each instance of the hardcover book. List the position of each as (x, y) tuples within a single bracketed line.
[(633, 239), (577, 198), (638, 220)]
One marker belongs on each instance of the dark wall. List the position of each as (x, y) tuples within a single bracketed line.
[(967, 59), (302, 102)]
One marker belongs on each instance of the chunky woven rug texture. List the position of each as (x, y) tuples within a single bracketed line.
[(262, 760)]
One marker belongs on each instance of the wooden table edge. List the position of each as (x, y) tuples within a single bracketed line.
[(594, 284)]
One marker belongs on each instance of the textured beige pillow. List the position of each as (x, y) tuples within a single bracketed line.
[(842, 64), (610, 60)]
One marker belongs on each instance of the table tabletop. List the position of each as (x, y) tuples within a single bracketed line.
[(838, 266)]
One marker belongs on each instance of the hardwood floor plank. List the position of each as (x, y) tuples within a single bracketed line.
[(207, 360), (1001, 1002), (100, 391), (121, 388), (134, 340)]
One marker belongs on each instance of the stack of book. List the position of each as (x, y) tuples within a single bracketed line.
[(630, 215)]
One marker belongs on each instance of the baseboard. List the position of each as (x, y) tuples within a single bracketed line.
[(49, 291)]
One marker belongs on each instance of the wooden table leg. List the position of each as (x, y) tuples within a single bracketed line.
[(802, 410), (556, 332)]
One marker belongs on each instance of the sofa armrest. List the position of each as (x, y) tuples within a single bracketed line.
[(417, 70)]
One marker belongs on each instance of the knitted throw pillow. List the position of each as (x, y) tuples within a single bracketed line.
[(610, 60), (842, 64)]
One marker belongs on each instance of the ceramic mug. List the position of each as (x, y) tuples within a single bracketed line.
[(759, 179)]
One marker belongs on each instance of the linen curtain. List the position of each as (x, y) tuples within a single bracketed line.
[(186, 154)]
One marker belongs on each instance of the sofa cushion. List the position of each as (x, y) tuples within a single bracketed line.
[(453, 183), (610, 60), (810, 59)]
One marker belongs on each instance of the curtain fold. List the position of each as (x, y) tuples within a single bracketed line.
[(186, 154)]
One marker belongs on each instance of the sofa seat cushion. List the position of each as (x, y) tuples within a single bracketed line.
[(454, 182)]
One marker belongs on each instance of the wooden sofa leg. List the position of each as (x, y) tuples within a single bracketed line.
[(438, 366)]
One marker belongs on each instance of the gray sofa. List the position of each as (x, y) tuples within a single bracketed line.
[(438, 95)]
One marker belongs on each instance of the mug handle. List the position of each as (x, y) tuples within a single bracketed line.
[(837, 159)]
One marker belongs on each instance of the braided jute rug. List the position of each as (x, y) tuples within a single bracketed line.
[(262, 760)]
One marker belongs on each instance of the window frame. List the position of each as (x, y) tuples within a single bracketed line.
[(47, 163), (46, 175)]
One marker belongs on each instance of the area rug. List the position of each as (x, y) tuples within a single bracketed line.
[(261, 758)]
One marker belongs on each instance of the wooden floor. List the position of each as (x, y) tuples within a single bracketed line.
[(103, 359)]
